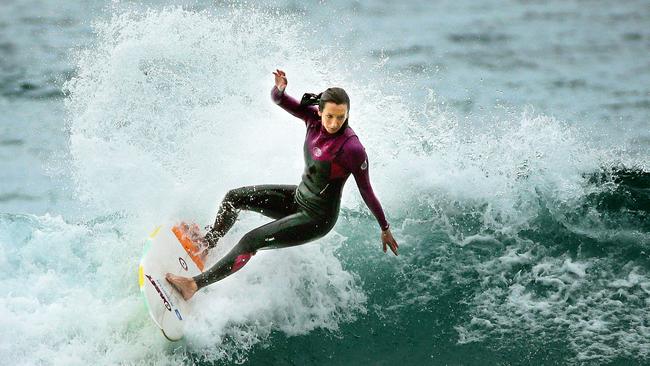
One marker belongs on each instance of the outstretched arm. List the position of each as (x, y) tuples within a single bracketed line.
[(357, 163), (288, 103)]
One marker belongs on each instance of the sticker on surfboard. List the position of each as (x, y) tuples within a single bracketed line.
[(168, 249)]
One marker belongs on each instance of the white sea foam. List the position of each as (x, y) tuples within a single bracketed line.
[(170, 109)]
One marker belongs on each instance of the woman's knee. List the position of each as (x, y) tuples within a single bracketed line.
[(233, 197), (250, 242)]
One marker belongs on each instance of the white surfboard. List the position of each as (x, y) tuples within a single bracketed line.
[(168, 249)]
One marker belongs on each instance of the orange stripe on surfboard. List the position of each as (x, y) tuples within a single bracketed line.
[(190, 247)]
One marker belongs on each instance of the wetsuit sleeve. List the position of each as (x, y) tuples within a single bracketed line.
[(355, 160), (291, 105)]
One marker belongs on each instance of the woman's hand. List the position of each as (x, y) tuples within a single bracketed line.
[(388, 240), (280, 79)]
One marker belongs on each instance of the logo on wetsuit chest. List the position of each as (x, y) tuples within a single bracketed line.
[(317, 152)]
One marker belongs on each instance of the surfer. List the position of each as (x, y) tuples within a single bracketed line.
[(302, 213)]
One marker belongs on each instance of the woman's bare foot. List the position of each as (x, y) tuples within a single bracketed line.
[(185, 286)]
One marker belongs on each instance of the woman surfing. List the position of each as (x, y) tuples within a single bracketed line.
[(302, 213)]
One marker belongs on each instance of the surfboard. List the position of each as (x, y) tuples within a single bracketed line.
[(168, 248)]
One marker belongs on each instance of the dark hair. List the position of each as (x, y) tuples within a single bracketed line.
[(334, 95)]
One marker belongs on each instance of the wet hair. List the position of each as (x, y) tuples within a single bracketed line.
[(334, 95)]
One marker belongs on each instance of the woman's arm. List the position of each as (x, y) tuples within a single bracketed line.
[(356, 160), (288, 103), (362, 177)]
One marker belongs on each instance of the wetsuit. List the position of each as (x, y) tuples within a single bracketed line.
[(302, 213)]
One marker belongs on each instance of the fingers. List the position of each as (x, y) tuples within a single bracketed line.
[(393, 247), (280, 77), (392, 244)]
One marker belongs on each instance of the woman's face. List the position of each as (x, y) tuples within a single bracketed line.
[(333, 116)]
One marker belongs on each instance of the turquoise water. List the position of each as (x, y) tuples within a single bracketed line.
[(508, 143)]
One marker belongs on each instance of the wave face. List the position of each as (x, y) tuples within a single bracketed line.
[(523, 239)]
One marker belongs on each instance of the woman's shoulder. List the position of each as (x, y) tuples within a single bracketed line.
[(352, 145), (354, 154)]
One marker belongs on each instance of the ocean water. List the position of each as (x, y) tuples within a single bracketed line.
[(508, 143)]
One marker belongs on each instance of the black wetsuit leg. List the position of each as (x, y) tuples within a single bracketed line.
[(272, 200), (293, 226)]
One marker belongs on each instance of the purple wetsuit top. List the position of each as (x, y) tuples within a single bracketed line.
[(341, 153)]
